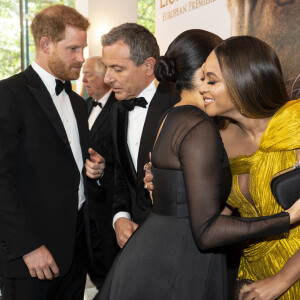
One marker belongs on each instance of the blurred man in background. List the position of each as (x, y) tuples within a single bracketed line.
[(100, 192)]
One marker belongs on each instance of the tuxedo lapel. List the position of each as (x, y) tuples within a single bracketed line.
[(41, 94), (104, 114), (157, 108), (89, 104), (121, 142), (81, 118)]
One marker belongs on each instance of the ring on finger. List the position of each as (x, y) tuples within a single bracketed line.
[(147, 168)]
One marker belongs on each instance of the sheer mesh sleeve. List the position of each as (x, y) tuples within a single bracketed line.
[(200, 154)]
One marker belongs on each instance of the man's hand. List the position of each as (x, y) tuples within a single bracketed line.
[(95, 165), (124, 228), (41, 264)]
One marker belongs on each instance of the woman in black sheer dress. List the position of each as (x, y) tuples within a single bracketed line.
[(168, 257)]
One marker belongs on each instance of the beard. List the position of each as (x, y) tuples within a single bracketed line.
[(62, 70)]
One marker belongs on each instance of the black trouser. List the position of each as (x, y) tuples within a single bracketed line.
[(104, 248), (1, 282), (68, 287)]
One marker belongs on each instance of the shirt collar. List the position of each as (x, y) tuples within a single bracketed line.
[(148, 92), (47, 78), (104, 99)]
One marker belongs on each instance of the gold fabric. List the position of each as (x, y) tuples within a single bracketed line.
[(277, 151)]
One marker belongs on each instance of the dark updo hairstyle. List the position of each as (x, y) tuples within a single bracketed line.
[(252, 74), (184, 56)]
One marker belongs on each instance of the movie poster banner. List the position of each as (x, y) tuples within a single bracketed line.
[(277, 22)]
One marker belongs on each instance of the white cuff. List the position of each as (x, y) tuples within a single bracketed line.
[(121, 214)]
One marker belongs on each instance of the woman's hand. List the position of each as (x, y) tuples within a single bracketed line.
[(148, 179), (267, 289), (227, 211), (274, 286), (294, 212)]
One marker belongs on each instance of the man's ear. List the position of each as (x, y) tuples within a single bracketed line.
[(45, 44), (149, 64)]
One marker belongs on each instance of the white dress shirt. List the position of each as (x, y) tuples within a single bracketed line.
[(96, 110), (136, 121), (66, 113)]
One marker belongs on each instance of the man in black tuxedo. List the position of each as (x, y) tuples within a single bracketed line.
[(100, 103), (129, 54), (44, 143)]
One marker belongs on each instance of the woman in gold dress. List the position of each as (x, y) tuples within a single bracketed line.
[(242, 82)]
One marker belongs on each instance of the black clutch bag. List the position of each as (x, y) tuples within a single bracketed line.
[(285, 186)]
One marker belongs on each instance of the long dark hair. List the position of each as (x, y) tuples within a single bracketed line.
[(252, 74)]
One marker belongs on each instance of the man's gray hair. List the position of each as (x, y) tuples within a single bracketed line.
[(100, 67), (98, 64), (141, 41)]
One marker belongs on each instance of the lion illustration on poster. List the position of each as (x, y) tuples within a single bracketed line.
[(276, 22)]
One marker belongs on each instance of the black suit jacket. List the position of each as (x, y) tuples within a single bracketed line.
[(101, 141), (39, 177), (130, 195), (103, 238)]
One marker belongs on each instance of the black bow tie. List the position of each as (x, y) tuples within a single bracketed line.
[(131, 103), (63, 85), (95, 103)]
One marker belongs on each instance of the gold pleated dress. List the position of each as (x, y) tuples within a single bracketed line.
[(277, 151)]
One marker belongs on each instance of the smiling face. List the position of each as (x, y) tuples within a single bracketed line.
[(66, 56), (217, 101), (125, 78)]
